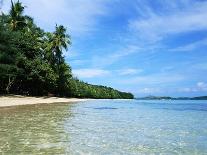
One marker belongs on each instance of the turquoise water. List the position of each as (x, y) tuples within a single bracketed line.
[(106, 127)]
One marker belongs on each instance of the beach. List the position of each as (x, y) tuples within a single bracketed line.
[(16, 100)]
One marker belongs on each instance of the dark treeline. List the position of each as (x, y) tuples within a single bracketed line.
[(32, 62), (172, 98)]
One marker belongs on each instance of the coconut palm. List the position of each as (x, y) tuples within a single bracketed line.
[(17, 20), (59, 41)]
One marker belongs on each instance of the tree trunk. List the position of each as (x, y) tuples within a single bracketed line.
[(11, 81)]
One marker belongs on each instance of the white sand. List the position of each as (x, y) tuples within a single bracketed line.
[(7, 101)]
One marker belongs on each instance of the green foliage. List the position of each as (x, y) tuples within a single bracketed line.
[(32, 62), (84, 90), (16, 20)]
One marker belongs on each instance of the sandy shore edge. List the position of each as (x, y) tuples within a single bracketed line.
[(8, 101)]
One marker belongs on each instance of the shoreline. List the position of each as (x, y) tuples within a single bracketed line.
[(17, 100)]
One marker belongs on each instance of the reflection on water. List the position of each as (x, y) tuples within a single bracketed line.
[(105, 127)]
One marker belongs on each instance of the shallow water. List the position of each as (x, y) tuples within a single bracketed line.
[(105, 127)]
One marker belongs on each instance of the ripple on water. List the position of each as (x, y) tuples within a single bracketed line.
[(105, 127)]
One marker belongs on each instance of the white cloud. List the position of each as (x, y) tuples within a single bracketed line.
[(191, 46), (154, 79), (112, 57), (129, 71), (167, 69), (200, 87), (70, 54), (78, 62), (149, 90), (186, 90), (200, 66), (155, 27), (94, 72), (90, 73)]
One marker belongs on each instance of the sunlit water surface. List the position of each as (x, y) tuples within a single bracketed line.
[(105, 127)]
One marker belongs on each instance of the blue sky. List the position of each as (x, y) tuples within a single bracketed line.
[(146, 47)]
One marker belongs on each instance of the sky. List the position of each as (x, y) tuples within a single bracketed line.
[(146, 47)]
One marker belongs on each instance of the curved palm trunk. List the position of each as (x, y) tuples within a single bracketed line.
[(10, 83)]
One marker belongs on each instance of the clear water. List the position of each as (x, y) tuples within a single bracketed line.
[(105, 127)]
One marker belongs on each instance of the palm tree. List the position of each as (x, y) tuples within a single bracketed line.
[(59, 41), (17, 20)]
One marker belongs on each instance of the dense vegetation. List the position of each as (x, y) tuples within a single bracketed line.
[(32, 62)]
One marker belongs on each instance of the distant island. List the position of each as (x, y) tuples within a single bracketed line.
[(32, 61), (172, 98)]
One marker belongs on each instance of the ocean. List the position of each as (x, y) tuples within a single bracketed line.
[(127, 127)]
